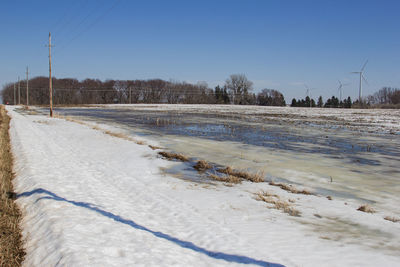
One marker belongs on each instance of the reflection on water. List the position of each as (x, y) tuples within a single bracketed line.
[(308, 138)]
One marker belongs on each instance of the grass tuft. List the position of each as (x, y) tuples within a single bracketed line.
[(291, 188), (392, 219), (202, 165), (227, 179), (253, 177), (366, 208), (11, 249), (277, 203), (173, 156)]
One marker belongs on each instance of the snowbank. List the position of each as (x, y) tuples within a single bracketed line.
[(91, 199)]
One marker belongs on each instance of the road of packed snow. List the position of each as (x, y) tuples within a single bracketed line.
[(91, 199)]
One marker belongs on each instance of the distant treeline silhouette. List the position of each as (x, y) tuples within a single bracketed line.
[(332, 102), (387, 96), (236, 90)]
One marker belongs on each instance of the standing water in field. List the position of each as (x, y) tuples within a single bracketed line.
[(349, 154)]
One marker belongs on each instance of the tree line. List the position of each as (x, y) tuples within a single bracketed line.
[(236, 90), (332, 102), (385, 96)]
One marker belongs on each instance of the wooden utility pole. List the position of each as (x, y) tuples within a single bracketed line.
[(27, 87), (130, 95), (19, 92), (15, 96), (50, 81)]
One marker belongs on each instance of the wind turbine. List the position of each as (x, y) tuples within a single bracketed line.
[(340, 89), (308, 92), (361, 78)]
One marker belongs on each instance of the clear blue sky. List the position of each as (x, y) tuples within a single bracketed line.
[(278, 44)]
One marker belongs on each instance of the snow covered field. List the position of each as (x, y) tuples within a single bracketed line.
[(91, 199)]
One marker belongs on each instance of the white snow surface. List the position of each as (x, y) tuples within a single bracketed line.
[(91, 199)]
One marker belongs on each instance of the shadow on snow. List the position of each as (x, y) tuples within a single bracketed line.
[(185, 244)]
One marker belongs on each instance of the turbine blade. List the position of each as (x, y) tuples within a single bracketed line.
[(365, 64), (357, 72)]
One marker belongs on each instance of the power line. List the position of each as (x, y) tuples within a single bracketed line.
[(138, 90), (71, 18), (126, 89), (116, 2)]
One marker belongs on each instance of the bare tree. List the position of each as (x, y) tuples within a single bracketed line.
[(239, 87), (386, 95), (270, 97)]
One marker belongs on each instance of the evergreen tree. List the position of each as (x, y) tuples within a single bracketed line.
[(347, 103), (307, 102), (225, 97), (320, 102), (332, 102), (313, 103), (335, 102), (219, 98)]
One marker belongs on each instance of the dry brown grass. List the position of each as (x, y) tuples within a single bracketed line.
[(173, 156), (95, 127), (277, 203), (366, 208), (123, 136), (291, 188), (202, 165), (67, 118), (227, 179), (392, 219), (11, 250), (253, 177), (118, 135), (28, 110)]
